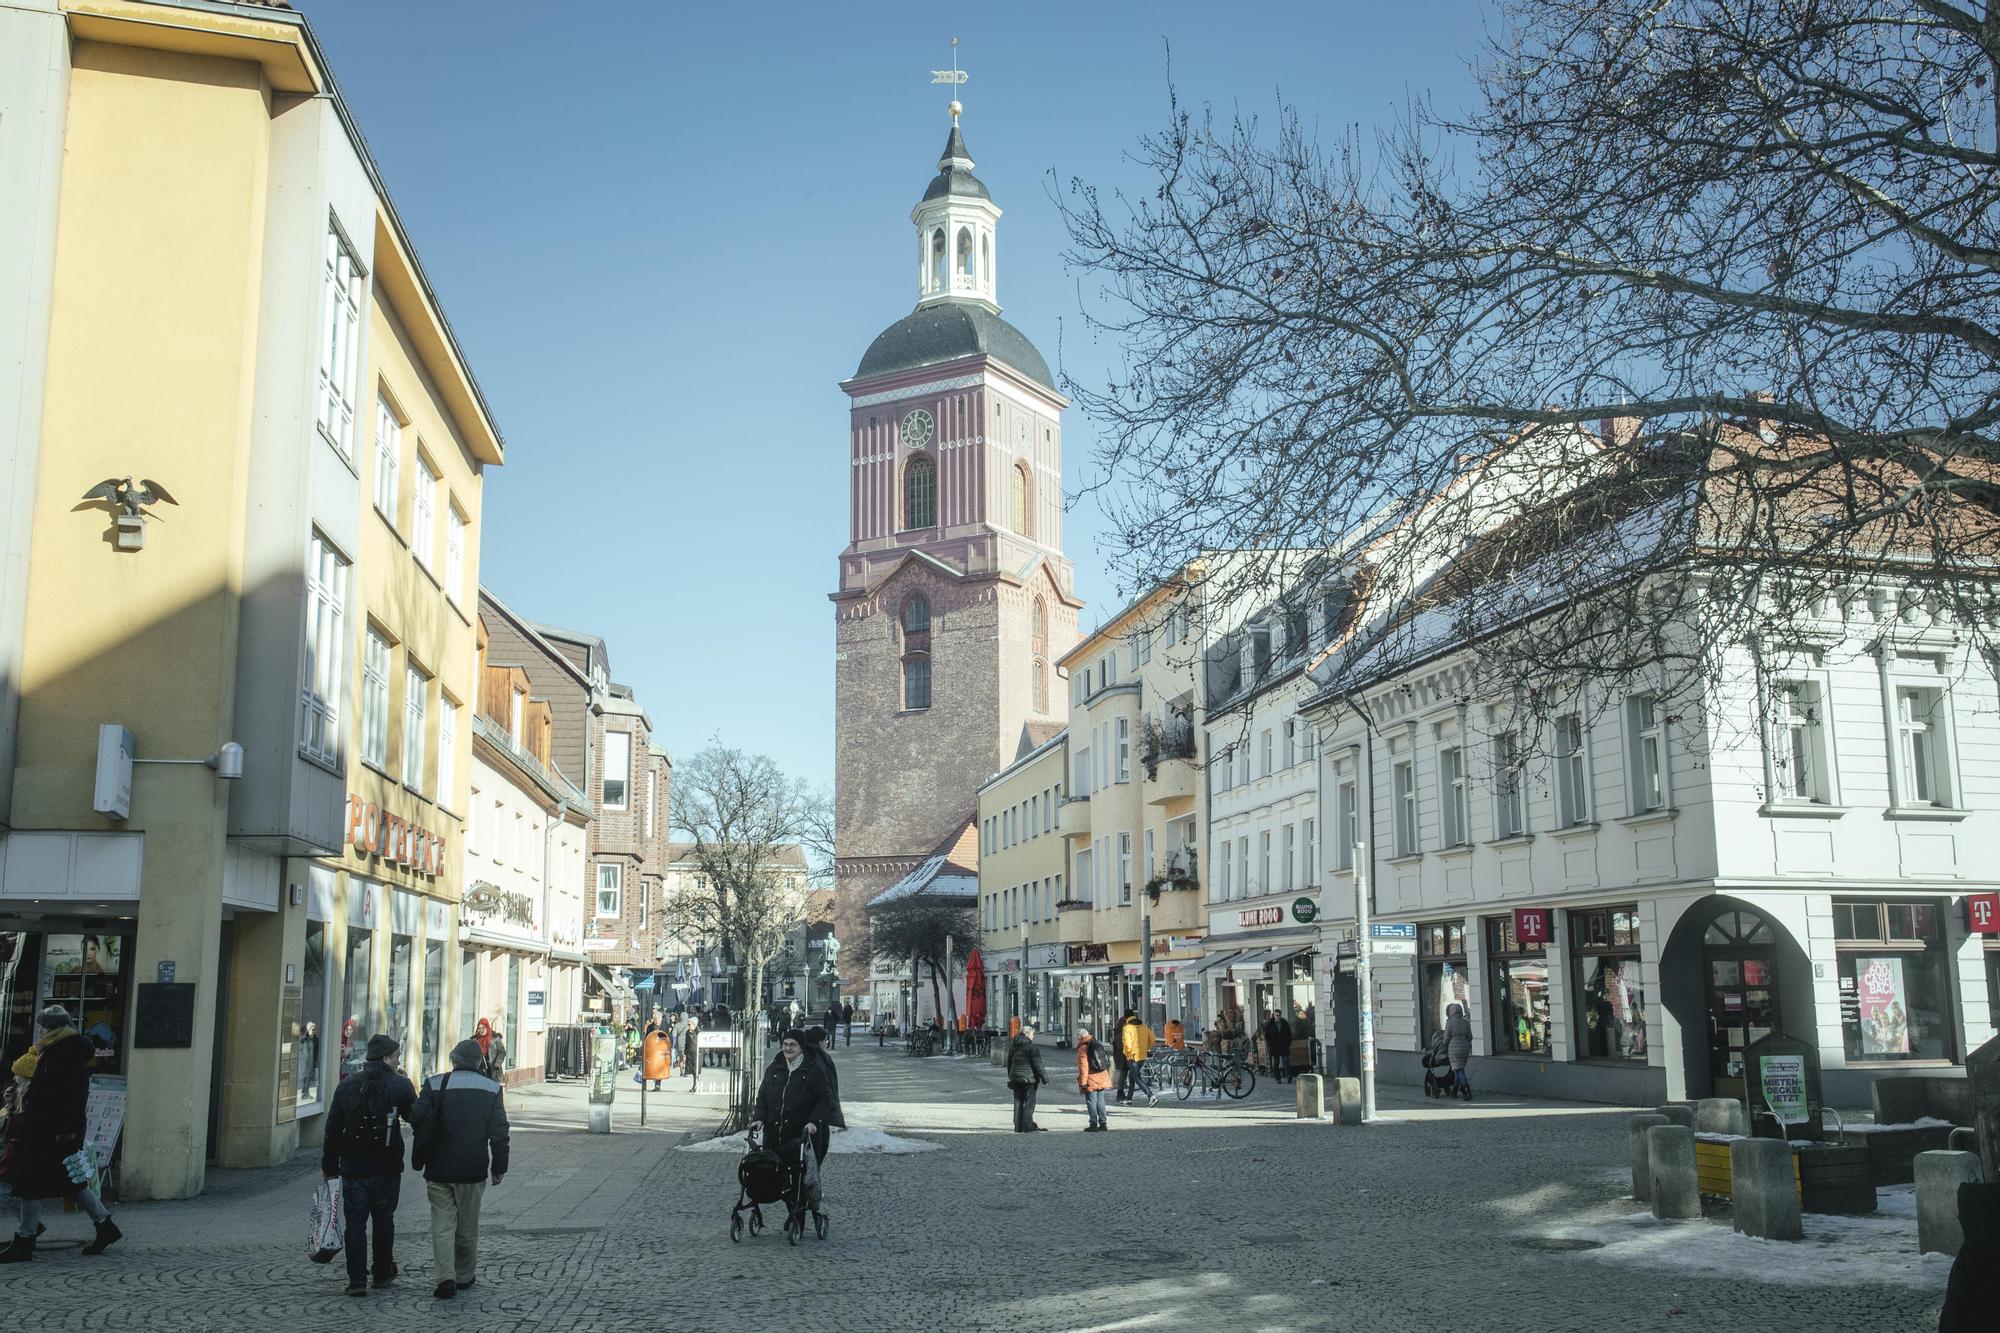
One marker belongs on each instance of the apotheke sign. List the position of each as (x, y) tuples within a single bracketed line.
[(373, 832)]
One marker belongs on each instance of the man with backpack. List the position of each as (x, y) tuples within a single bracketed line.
[(461, 1122), (364, 1148), (1093, 1078)]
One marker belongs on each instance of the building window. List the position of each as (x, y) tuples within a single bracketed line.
[(1572, 771), (1288, 859), (1604, 971), (1509, 817), (1518, 981), (1265, 884), (1649, 765), (917, 614), (454, 553), (375, 701), (1922, 762), (1346, 824), (617, 768), (920, 494), (1222, 872), (1405, 787), (1895, 980), (1124, 869), (416, 699), (1291, 741), (1041, 685), (1799, 770), (1441, 976), (1020, 498), (652, 791), (610, 889), (388, 458), (423, 512), (1451, 789), (1264, 754), (1245, 889), (916, 682), (447, 750), (1123, 729), (325, 652), (1309, 855), (340, 343), (937, 260)]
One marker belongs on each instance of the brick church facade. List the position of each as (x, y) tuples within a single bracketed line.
[(955, 598)]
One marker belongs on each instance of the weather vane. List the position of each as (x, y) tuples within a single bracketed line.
[(953, 76)]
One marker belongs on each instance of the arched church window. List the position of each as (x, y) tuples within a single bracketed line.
[(937, 259), (920, 494), (917, 614), (1041, 686), (916, 681), (1021, 500), (1038, 640), (986, 257), (965, 253)]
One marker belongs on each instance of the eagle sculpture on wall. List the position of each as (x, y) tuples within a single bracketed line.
[(121, 491)]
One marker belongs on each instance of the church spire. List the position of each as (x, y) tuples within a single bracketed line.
[(957, 221)]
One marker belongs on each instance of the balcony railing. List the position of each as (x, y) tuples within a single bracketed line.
[(1177, 875), (1073, 905), (1157, 743)]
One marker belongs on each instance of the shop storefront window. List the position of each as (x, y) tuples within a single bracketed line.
[(1604, 972), (1442, 978), (1301, 1007), (1895, 981), (1518, 981), (20, 959), (357, 989), (312, 1005), (433, 1003), (510, 1022), (87, 977), (402, 956)]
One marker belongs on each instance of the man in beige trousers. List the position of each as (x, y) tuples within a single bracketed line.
[(461, 1124)]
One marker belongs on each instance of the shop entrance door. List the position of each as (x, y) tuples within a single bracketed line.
[(1739, 960)]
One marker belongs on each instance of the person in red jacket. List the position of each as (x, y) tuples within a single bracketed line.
[(1093, 1078)]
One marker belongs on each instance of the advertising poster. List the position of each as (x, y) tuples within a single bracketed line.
[(1885, 1020), (1784, 1080)]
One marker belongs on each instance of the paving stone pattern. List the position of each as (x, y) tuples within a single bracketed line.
[(1186, 1216)]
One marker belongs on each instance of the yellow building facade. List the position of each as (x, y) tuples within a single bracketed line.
[(222, 307), (1023, 882)]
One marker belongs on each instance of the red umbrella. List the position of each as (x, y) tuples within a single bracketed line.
[(975, 991)]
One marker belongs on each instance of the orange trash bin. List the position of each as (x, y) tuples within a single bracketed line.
[(657, 1057)]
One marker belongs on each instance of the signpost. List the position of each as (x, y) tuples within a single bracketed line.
[(1398, 938), (1365, 982)]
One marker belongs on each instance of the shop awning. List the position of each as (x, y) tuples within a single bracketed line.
[(644, 983), (1208, 964), (610, 987), (1254, 960)]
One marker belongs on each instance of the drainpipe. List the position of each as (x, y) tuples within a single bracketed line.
[(548, 893)]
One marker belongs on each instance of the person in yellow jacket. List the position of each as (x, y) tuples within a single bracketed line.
[(1135, 1039)]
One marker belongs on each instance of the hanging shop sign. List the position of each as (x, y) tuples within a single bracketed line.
[(1982, 913), (1080, 954), (1531, 926), (374, 833), (1041, 956), (1304, 909), (490, 900)]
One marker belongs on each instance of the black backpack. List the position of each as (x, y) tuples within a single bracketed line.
[(1095, 1058), (371, 1124)]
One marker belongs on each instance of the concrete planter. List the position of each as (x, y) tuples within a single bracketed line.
[(1712, 1169), (1892, 1153), (1835, 1179)]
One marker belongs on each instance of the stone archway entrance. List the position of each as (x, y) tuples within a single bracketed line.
[(1731, 973)]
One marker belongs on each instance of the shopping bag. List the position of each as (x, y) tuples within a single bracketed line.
[(326, 1222)]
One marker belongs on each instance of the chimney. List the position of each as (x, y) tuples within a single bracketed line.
[(1617, 432)]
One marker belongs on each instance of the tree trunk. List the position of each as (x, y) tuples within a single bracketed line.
[(747, 1023), (937, 1000)]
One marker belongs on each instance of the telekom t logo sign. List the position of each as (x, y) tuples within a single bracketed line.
[(1982, 913), (1531, 926)]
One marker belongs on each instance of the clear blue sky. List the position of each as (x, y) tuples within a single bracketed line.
[(664, 232)]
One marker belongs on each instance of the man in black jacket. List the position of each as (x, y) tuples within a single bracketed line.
[(461, 1121), (1025, 1077), (364, 1147)]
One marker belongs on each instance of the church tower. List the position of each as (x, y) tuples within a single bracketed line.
[(955, 598)]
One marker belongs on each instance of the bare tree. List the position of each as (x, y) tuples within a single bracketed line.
[(927, 929), (743, 816), (1694, 321)]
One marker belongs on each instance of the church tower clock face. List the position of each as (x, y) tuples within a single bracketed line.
[(917, 429)]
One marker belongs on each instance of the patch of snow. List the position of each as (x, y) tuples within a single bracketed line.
[(1923, 1122), (1836, 1251), (1896, 1201), (857, 1139)]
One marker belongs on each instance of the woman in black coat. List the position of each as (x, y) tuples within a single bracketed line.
[(47, 1129), (793, 1102)]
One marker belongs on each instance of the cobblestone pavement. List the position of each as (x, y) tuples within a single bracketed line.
[(1185, 1216)]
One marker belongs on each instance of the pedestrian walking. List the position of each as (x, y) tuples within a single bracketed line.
[(688, 1044), (1025, 1077), (364, 1147), (816, 1045), (51, 1089), (793, 1101), (1093, 1078), (1278, 1045), (1458, 1048), (1118, 1061), (1135, 1042), (847, 1020), (462, 1142)]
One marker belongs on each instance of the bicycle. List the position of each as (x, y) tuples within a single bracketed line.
[(1161, 1068), (1226, 1075), (918, 1042)]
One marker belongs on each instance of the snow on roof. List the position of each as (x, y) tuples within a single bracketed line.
[(938, 877)]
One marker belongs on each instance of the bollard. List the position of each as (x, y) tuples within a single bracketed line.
[(600, 1117), (1721, 1115), (1676, 1114), (1311, 1090), (1348, 1097), (1676, 1187), (1939, 1174), (1765, 1189), (1641, 1153)]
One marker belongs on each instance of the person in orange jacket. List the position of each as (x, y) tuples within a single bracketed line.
[(1093, 1078), (1176, 1035)]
